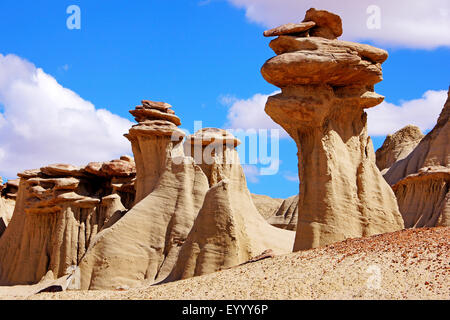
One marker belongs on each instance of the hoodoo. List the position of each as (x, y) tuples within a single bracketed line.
[(59, 210), (398, 146), (170, 189), (421, 180), (286, 216), (229, 230), (326, 85)]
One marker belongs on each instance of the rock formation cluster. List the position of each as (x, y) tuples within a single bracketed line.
[(326, 85), (59, 210), (170, 189), (187, 208), (421, 180), (181, 207), (228, 230)]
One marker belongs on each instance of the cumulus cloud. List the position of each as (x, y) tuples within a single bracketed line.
[(248, 114), (404, 23), (291, 177), (384, 119), (388, 118), (251, 172), (41, 122)]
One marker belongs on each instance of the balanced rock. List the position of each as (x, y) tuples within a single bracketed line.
[(398, 146), (328, 25), (326, 85), (59, 210), (170, 189), (290, 29), (228, 230), (421, 180), (317, 23)]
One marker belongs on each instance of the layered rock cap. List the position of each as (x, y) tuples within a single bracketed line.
[(155, 138)]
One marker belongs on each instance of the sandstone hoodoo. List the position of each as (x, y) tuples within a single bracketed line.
[(170, 189), (154, 139), (326, 85), (229, 229), (8, 195), (287, 214), (421, 180), (59, 210), (398, 146)]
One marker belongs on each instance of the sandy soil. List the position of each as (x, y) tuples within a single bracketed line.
[(410, 264)]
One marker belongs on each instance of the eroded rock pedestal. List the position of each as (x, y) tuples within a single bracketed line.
[(326, 85), (228, 230), (170, 189), (59, 210), (421, 181)]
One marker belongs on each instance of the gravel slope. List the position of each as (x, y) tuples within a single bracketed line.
[(409, 264)]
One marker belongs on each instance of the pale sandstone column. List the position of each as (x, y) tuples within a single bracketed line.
[(153, 141), (228, 230), (326, 85)]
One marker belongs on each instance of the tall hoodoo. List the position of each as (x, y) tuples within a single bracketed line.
[(326, 85), (154, 139), (59, 210), (228, 230), (170, 189)]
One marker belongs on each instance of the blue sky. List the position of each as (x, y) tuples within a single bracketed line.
[(188, 53)]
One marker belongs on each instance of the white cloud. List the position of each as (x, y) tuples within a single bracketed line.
[(384, 119), (388, 118), (404, 23), (251, 172), (248, 114), (291, 177), (42, 122)]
